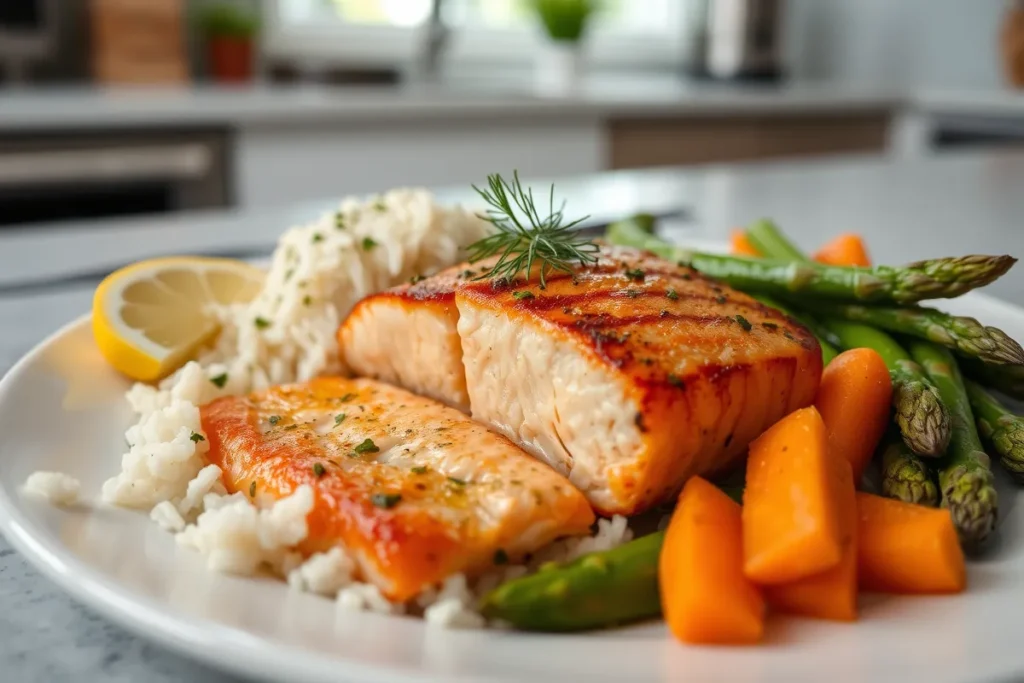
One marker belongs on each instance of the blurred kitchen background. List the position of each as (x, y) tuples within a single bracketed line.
[(113, 107)]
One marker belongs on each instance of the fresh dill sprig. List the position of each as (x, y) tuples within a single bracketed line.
[(556, 245)]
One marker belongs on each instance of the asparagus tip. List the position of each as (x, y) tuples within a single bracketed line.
[(973, 503), (922, 418)]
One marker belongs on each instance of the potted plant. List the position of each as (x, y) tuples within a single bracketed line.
[(230, 32), (559, 63)]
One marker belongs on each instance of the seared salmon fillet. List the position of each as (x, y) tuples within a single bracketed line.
[(415, 490), (407, 336), (628, 377)]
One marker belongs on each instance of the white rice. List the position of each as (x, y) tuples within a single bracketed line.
[(55, 487), (324, 573), (239, 538), (317, 274)]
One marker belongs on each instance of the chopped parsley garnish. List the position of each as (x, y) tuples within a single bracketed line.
[(457, 481), (369, 243), (347, 397), (672, 294), (467, 274), (635, 274), (419, 470), (288, 274), (367, 446), (318, 470), (386, 500), (500, 556), (522, 295), (252, 489), (744, 323), (317, 237), (720, 299), (769, 326), (676, 381), (274, 419), (417, 278), (220, 380), (307, 300), (339, 418), (339, 221), (261, 323), (788, 336), (379, 205), (197, 437), (291, 427)]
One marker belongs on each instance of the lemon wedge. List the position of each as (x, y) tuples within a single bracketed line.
[(151, 317)]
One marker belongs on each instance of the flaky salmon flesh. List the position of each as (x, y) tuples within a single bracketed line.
[(628, 376), (413, 489)]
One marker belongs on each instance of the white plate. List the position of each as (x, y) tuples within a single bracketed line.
[(61, 408)]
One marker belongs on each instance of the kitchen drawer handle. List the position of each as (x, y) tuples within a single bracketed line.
[(174, 162)]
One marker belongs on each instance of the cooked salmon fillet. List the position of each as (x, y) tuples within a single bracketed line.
[(407, 336), (415, 490), (628, 377)]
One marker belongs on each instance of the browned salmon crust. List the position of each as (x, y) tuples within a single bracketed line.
[(629, 376)]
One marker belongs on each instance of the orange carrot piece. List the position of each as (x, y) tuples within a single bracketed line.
[(704, 595), (906, 548), (831, 594), (790, 513), (845, 250), (741, 246), (854, 399)]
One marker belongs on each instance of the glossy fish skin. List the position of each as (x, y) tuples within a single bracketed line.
[(628, 377), (413, 489)]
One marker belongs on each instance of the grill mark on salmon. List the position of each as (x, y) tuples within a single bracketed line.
[(565, 371)]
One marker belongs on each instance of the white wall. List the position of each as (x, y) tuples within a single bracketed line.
[(940, 43)]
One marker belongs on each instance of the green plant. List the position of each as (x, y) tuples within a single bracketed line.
[(565, 20), (227, 20)]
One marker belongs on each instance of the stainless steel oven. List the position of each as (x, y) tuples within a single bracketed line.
[(53, 177)]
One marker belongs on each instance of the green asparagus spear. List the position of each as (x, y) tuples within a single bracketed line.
[(965, 477), (920, 414), (905, 476), (597, 590), (1003, 430), (935, 279), (964, 335), (1008, 379), (825, 338), (766, 237)]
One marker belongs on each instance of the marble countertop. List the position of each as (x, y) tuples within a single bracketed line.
[(906, 208)]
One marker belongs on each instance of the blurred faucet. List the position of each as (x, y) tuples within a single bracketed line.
[(435, 42)]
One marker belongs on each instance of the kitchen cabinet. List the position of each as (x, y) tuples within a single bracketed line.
[(642, 142)]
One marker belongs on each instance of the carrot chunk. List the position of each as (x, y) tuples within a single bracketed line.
[(832, 594), (854, 399), (790, 513), (845, 250), (704, 595), (906, 548), (741, 246)]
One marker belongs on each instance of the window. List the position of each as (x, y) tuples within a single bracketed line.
[(391, 32)]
